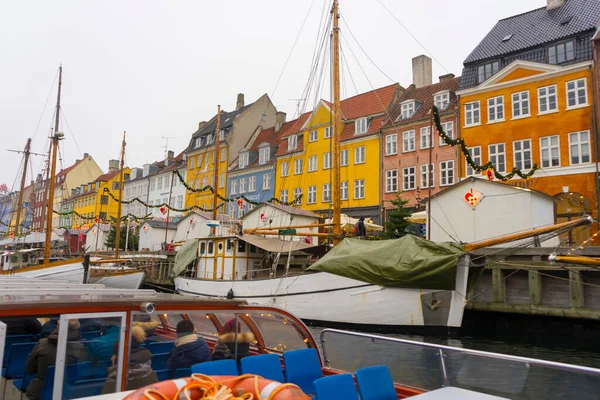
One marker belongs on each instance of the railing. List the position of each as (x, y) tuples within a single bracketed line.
[(429, 366)]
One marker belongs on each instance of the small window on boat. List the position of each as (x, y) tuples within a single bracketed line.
[(211, 247), (229, 245), (202, 248), (220, 246), (241, 246), (252, 248)]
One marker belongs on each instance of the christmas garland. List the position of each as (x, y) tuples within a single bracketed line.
[(472, 164)]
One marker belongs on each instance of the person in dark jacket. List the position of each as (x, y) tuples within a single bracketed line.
[(227, 348), (43, 356), (139, 370), (49, 327), (91, 325), (23, 326), (101, 348), (189, 348), (361, 231)]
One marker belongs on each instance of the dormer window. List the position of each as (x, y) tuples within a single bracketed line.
[(407, 110), (198, 142), (244, 159), (441, 100), (292, 142), (561, 52), (210, 138), (485, 71), (264, 154), (222, 135), (361, 125)]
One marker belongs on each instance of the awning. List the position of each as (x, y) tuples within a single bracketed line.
[(418, 217), (274, 244), (348, 223)]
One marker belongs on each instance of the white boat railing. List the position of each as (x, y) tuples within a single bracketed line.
[(429, 366)]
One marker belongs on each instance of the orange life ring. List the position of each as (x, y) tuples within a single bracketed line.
[(261, 388)]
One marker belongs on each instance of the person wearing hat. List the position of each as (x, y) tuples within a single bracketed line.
[(227, 348), (189, 348)]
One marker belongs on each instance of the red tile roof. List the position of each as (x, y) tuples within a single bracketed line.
[(106, 177), (294, 127), (369, 103)]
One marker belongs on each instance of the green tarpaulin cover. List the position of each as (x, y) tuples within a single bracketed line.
[(409, 262), (185, 255)]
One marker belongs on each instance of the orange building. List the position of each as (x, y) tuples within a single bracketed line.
[(517, 113)]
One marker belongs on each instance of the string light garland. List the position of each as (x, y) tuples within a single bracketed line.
[(476, 167)]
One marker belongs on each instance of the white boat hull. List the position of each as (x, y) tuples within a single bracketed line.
[(332, 299)]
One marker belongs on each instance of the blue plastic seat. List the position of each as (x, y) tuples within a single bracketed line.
[(336, 387), (220, 367), (182, 373), (85, 388), (21, 384), (266, 365), (48, 384), (375, 383), (159, 361), (303, 367), (90, 335), (13, 339), (17, 357), (79, 371), (100, 370), (162, 374), (160, 347)]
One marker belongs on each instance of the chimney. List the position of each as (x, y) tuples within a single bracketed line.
[(170, 155), (421, 71), (113, 165), (201, 125), (552, 4), (446, 77), (240, 101), (85, 155), (279, 120)]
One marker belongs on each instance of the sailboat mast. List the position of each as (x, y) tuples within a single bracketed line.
[(119, 205), (23, 177), (216, 177), (337, 128), (50, 195)]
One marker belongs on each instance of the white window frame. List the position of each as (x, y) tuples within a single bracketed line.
[(221, 180), (244, 159), (391, 144), (292, 142), (266, 184), (344, 158), (523, 152), (407, 173), (495, 107), (359, 189), (313, 163), (252, 183), (343, 190), (327, 132), (327, 160), (494, 154), (521, 101), (426, 181), (407, 109), (360, 155), (546, 97), (298, 166), (391, 181), (549, 147), (264, 154), (448, 127), (326, 195), (476, 159), (447, 173), (408, 141), (311, 195), (243, 186), (361, 125), (473, 112), (285, 169), (426, 136), (579, 144), (283, 195), (576, 89), (298, 193), (313, 136), (441, 100)]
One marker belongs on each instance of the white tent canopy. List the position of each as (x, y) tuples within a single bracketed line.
[(349, 222)]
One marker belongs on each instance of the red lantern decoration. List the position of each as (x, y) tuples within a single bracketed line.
[(163, 210), (490, 174), (473, 198)]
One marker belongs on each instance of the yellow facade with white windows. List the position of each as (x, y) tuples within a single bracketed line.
[(201, 172)]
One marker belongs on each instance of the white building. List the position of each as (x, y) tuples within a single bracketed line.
[(195, 225), (152, 234), (136, 187), (276, 215), (477, 209), (95, 237), (160, 188)]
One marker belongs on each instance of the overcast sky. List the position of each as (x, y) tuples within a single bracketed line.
[(157, 68)]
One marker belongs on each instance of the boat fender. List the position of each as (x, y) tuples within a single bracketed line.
[(230, 294)]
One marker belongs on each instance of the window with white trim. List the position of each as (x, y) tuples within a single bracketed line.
[(244, 157), (547, 99), (579, 147), (191, 162), (496, 109), (221, 180), (313, 163), (472, 113), (326, 192), (313, 136), (486, 71), (407, 110), (409, 178), (297, 166), (441, 100), (264, 154), (285, 168), (408, 141), (361, 125), (292, 142), (448, 128), (522, 153), (497, 154), (359, 189), (326, 160), (312, 195), (475, 153), (359, 155), (391, 181), (242, 185), (391, 144), (425, 136), (576, 93), (344, 190), (297, 194), (520, 104), (266, 181), (447, 173), (550, 151), (344, 158), (223, 154), (427, 175), (561, 52), (252, 184), (233, 186), (283, 196), (327, 133)]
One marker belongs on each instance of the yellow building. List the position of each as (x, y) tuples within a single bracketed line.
[(90, 200), (304, 157)]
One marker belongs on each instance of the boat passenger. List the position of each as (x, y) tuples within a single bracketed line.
[(91, 324), (49, 327), (226, 345), (101, 348), (43, 356), (23, 326), (139, 371), (189, 348), (361, 231)]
